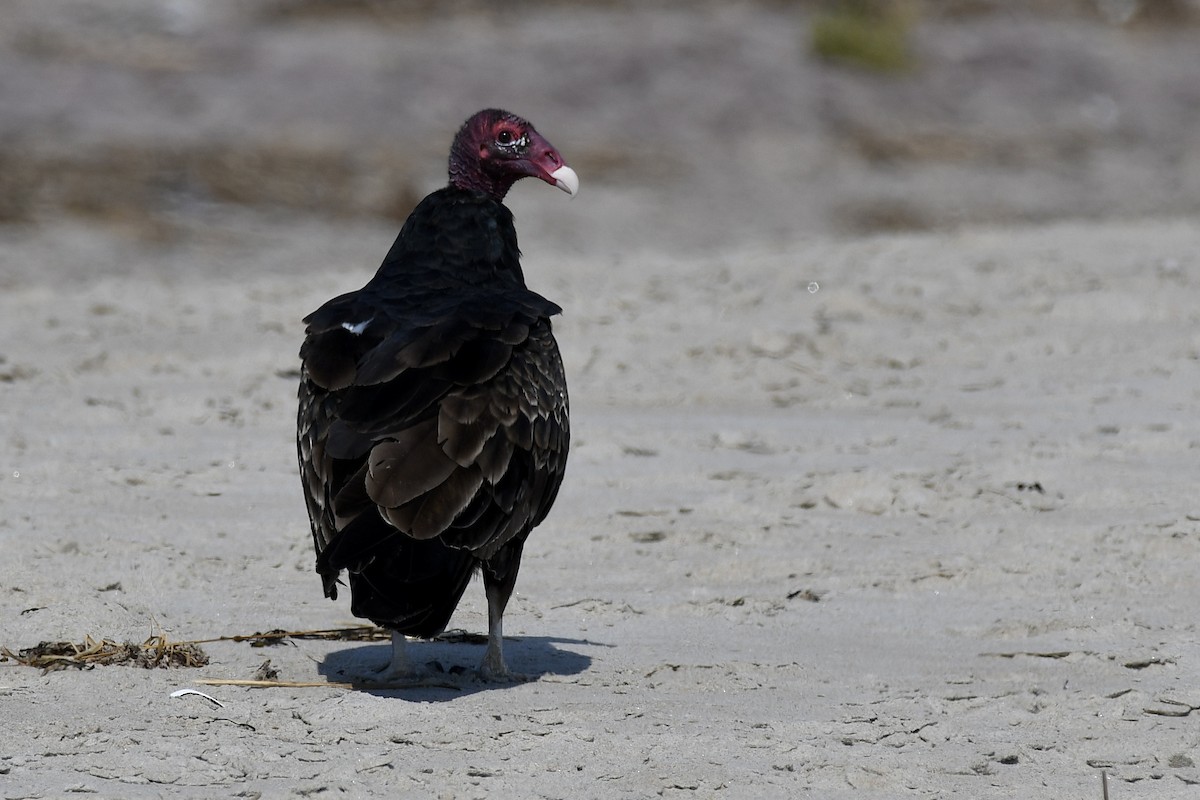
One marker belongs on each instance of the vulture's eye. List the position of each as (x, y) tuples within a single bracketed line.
[(508, 140)]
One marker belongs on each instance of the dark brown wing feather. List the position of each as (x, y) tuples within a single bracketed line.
[(462, 436)]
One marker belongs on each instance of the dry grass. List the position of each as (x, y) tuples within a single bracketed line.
[(158, 651), (155, 652)]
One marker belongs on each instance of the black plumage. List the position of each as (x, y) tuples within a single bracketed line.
[(433, 421)]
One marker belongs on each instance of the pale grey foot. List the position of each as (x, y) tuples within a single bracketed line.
[(399, 669)]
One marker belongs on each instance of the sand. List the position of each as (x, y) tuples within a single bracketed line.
[(896, 516), (884, 394)]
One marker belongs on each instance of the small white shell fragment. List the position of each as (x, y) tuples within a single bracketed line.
[(210, 698)]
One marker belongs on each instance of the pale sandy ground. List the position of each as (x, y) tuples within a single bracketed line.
[(847, 420), (764, 413)]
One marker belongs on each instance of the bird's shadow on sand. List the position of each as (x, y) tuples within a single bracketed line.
[(450, 668)]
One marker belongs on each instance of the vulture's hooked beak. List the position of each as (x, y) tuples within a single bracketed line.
[(566, 179)]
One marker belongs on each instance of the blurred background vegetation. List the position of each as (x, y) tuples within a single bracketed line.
[(693, 124)]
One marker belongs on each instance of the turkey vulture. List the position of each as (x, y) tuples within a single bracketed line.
[(432, 430)]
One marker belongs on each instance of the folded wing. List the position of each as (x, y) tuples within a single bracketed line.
[(446, 418)]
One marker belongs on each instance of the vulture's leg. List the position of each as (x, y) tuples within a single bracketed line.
[(399, 668), (499, 578)]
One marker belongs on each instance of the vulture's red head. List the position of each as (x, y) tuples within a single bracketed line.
[(494, 149)]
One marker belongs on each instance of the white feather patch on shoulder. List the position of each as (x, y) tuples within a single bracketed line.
[(357, 327)]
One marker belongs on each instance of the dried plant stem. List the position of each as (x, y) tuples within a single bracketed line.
[(360, 633), (257, 684)]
